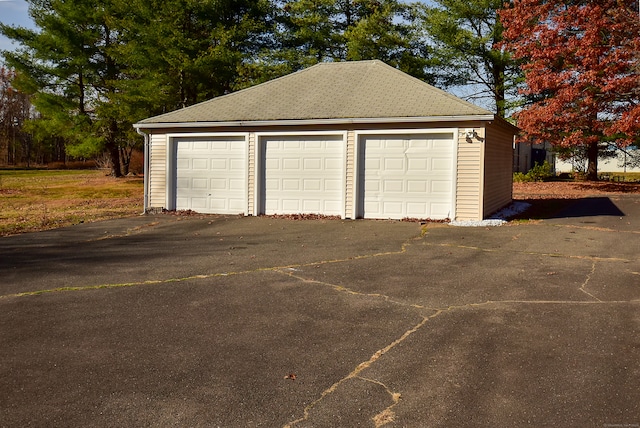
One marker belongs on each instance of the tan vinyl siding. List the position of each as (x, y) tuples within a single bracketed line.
[(157, 171), (251, 173), (350, 174), (483, 177), (498, 161), (469, 172)]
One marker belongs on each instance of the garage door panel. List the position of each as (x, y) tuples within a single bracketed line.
[(441, 210), (290, 185), (313, 163), (272, 164), (198, 203), (441, 164), (372, 165), (309, 170), (406, 176), (237, 184), (332, 207), (199, 183), (393, 186), (393, 208), (291, 206), (372, 207), (312, 205), (202, 164), (211, 175), (218, 204), (202, 146), (272, 185), (288, 145), (371, 187), (394, 164), (335, 145), (443, 145), (312, 184), (237, 165), (415, 208), (290, 164), (219, 184), (417, 186), (237, 205), (418, 144), (312, 144), (443, 187), (333, 185), (418, 165), (333, 164), (221, 164), (393, 143)]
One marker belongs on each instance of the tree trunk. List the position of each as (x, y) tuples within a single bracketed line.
[(112, 147), (592, 161), (499, 95), (114, 155)]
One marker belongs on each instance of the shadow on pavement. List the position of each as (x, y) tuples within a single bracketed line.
[(544, 209)]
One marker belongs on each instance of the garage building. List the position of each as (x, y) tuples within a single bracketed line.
[(351, 139)]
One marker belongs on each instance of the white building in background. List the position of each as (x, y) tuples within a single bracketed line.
[(526, 155)]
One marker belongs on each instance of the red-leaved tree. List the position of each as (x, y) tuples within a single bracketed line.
[(582, 65)]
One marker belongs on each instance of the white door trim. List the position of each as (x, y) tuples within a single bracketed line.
[(358, 147), (259, 167), (172, 151)]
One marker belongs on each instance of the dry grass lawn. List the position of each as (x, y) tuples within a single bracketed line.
[(32, 200)]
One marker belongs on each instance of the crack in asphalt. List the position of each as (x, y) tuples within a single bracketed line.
[(595, 228), (387, 414), (362, 366), (586, 281), (129, 232), (292, 267), (531, 253)]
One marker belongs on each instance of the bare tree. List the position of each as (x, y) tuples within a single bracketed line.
[(15, 110)]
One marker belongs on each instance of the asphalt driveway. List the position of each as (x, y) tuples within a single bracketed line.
[(238, 321)]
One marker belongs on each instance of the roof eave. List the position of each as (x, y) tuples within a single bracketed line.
[(292, 122)]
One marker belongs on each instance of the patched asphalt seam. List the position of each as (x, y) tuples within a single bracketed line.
[(362, 366), (586, 282), (292, 268), (387, 414), (531, 253)]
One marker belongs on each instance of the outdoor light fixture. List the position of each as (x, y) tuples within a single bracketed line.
[(470, 134)]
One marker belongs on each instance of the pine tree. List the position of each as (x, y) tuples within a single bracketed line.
[(466, 35), (71, 68), (342, 30)]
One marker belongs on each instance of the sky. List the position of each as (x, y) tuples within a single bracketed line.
[(13, 12)]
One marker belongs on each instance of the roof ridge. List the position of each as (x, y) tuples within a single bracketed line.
[(450, 96), (356, 89)]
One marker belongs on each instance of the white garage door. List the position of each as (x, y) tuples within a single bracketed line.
[(211, 175), (406, 176), (303, 175)]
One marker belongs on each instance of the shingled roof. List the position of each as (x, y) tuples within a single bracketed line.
[(325, 91)]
